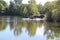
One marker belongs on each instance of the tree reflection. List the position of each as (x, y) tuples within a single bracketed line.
[(52, 30), (3, 23), (30, 26), (16, 25), (11, 23)]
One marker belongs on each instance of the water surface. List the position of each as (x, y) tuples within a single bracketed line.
[(15, 28)]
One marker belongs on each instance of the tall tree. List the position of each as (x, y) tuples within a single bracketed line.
[(11, 8), (56, 12), (49, 7), (3, 5), (33, 7), (18, 1), (39, 7)]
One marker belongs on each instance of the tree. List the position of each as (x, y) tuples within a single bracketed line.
[(56, 15), (3, 6), (56, 12), (11, 7), (39, 7), (48, 8), (33, 7), (18, 1), (25, 10)]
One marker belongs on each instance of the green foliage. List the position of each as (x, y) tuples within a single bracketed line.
[(3, 6), (51, 9), (49, 15), (11, 7), (33, 7), (39, 7), (25, 10), (56, 16), (18, 1), (22, 9)]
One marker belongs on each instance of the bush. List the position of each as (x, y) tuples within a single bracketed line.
[(56, 16)]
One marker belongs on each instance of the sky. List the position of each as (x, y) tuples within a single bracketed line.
[(38, 1)]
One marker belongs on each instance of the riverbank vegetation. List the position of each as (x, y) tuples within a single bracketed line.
[(17, 8)]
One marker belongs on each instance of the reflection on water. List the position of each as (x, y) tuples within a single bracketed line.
[(14, 28)]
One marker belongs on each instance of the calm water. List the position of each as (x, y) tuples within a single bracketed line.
[(15, 28)]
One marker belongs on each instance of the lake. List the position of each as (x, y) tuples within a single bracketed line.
[(15, 28)]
